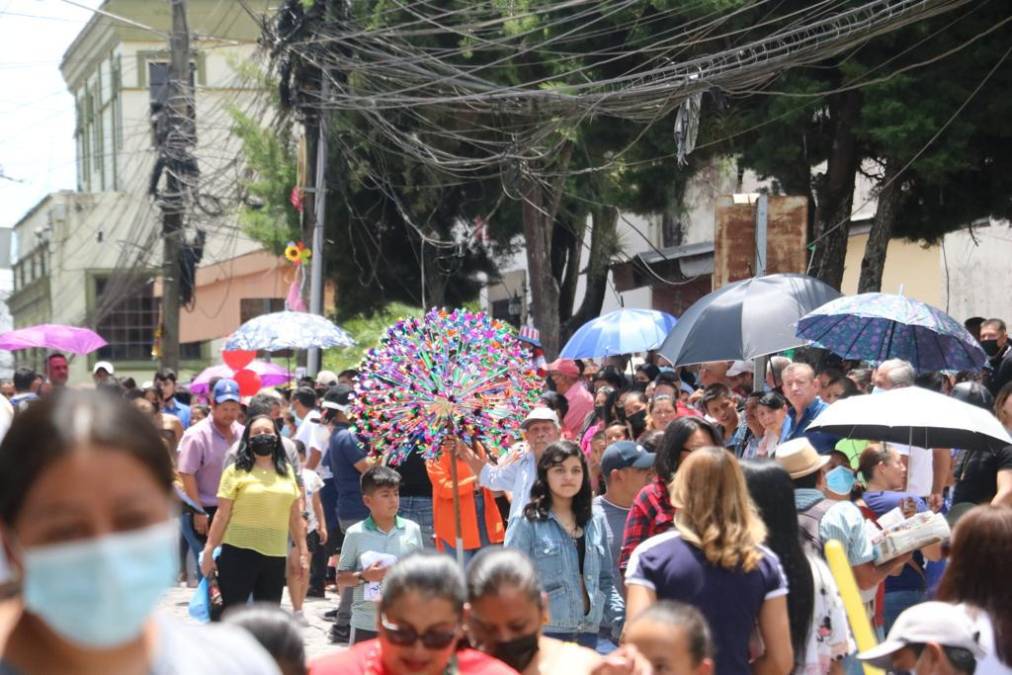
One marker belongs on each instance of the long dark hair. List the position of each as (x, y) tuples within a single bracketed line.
[(675, 437), (981, 548), (773, 494), (541, 497), (56, 426), (244, 458)]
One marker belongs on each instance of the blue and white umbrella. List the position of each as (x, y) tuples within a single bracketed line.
[(880, 326), (288, 330), (624, 331)]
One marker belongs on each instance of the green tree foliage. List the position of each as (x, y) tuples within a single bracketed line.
[(266, 214)]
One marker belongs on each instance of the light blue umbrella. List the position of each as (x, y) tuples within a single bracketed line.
[(288, 330), (881, 326), (623, 331)]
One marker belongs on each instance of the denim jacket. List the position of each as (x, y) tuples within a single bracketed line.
[(556, 560)]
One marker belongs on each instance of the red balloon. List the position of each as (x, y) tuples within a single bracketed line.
[(248, 381), (237, 359)]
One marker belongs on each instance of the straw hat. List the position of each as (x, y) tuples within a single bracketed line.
[(799, 458)]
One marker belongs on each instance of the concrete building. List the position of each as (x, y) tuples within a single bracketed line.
[(92, 257)]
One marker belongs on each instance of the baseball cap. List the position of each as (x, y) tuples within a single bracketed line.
[(800, 458), (226, 390), (625, 455), (938, 622), (540, 414), (103, 365), (338, 398), (740, 367), (565, 367), (326, 378)]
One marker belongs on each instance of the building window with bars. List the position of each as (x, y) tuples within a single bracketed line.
[(128, 316)]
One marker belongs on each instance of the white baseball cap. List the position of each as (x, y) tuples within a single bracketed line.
[(741, 367), (103, 365), (541, 414), (938, 622)]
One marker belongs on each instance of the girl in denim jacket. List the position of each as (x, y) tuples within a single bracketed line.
[(565, 539)]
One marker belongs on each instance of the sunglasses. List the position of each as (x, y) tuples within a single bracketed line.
[(406, 636)]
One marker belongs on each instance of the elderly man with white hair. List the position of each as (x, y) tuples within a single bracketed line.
[(927, 470)]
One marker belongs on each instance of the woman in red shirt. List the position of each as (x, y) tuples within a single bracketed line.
[(420, 621), (651, 512)]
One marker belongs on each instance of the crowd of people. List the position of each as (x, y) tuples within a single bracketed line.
[(668, 521)]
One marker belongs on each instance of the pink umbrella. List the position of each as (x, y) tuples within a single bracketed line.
[(53, 336), (271, 374)]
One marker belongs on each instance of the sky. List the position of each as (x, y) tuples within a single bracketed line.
[(37, 153)]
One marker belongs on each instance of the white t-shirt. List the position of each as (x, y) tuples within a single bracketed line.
[(312, 483), (208, 649), (315, 434), (920, 472), (829, 637)]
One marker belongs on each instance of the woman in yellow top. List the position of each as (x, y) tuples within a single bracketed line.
[(258, 509)]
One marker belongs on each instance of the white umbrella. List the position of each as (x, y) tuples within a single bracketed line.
[(914, 416)]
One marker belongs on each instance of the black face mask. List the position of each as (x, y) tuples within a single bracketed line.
[(990, 347), (262, 445), (638, 422), (599, 410), (518, 652)]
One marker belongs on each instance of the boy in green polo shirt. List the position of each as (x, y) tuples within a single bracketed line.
[(372, 546)]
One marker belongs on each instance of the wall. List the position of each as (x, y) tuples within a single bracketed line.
[(976, 263), (911, 268)]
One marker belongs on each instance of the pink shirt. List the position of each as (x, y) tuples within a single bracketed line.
[(581, 404), (202, 453)]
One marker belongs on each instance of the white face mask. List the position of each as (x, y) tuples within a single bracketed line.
[(98, 593)]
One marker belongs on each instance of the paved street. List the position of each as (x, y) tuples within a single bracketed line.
[(315, 635)]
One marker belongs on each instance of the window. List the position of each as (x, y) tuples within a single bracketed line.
[(158, 81), (501, 310), (127, 317), (251, 308)]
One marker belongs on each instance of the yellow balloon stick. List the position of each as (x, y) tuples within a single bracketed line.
[(836, 558)]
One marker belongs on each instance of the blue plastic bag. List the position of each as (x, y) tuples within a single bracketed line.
[(200, 603)]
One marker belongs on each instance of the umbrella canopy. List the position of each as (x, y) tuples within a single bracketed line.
[(623, 331), (746, 319), (53, 336), (913, 415), (271, 374), (287, 330), (881, 326)]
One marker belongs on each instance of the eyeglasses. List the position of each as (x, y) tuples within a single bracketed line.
[(406, 636)]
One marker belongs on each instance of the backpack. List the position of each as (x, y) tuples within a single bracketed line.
[(809, 521)]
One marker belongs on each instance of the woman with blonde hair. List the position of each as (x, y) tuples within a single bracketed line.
[(713, 559)]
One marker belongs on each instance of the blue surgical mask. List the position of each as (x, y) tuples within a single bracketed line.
[(98, 593), (840, 480), (877, 390)]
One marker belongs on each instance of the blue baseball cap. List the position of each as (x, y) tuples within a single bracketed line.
[(226, 390), (625, 455)]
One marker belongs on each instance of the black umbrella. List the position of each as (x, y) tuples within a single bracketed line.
[(746, 319)]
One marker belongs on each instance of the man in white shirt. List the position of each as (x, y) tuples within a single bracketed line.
[(927, 469), (516, 472)]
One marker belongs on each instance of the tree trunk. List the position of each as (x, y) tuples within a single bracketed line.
[(544, 287), (835, 192), (540, 208), (603, 240), (571, 274), (889, 198)]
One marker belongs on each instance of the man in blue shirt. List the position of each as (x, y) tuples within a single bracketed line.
[(348, 460), (166, 378), (801, 390)]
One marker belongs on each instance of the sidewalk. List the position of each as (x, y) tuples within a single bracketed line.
[(315, 636)]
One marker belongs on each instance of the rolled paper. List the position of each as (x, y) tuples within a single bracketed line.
[(860, 626)]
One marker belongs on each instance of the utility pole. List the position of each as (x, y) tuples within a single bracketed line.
[(176, 136), (316, 270)]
